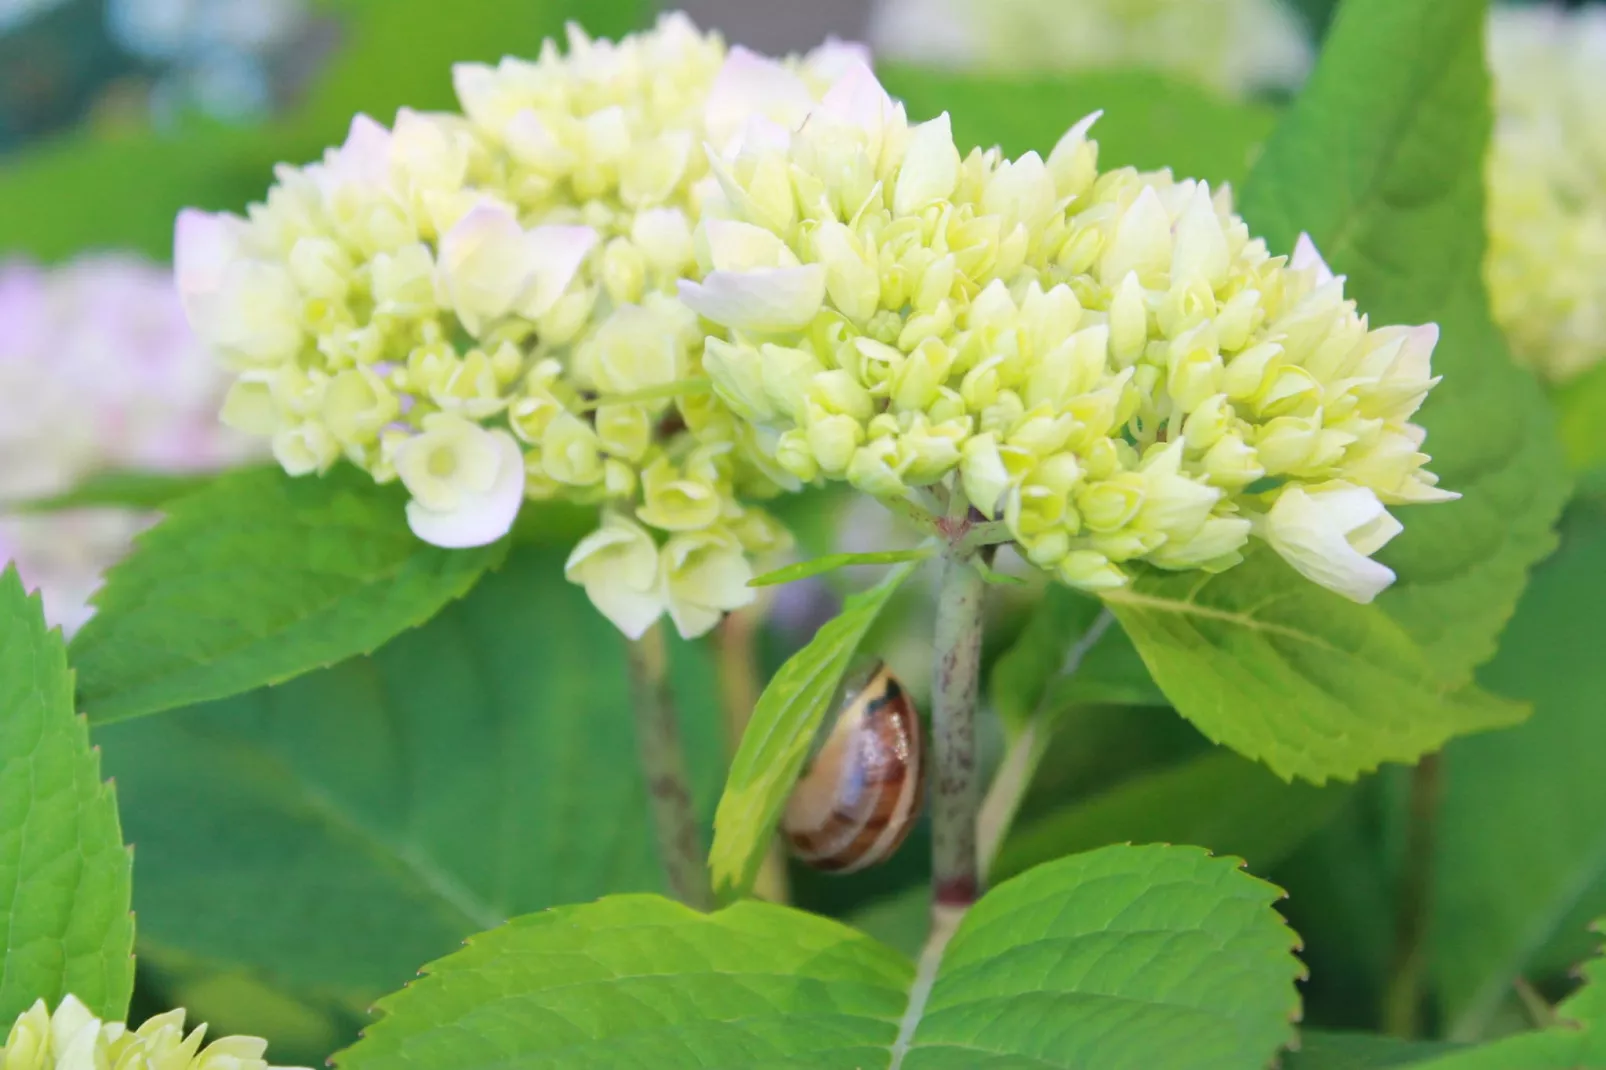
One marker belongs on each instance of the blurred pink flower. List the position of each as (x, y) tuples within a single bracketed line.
[(98, 371)]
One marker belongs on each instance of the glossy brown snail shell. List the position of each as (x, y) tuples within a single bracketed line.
[(861, 795)]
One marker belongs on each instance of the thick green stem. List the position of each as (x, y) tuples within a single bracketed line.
[(955, 792), (663, 763), (1402, 998)]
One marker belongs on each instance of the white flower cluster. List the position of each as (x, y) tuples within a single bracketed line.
[(1546, 266), (1109, 363), (74, 1039), (98, 370), (483, 306), (673, 281), (1234, 46)]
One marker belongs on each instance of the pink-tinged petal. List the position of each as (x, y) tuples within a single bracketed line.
[(858, 99), (769, 300), (482, 518), (364, 159), (835, 57), (750, 84), (556, 253), (1306, 255), (204, 245)]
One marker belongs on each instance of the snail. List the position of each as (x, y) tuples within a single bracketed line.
[(859, 798)]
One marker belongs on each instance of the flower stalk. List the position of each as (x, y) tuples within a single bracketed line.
[(663, 765), (955, 791)]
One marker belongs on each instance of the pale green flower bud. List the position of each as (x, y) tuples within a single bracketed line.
[(877, 365), (1392, 467), (1329, 534), (796, 456), (1172, 502), (618, 564), (1238, 319), (1142, 245), (838, 392), (852, 277), (1129, 319), (1248, 372), (705, 576), (321, 268), (530, 413), (1022, 193), (787, 375), (638, 347), (624, 431), (470, 386), (1042, 431), (356, 407), (1194, 368), (1215, 547), (492, 267), (1207, 423), (931, 450), (737, 372), (1040, 501), (1112, 504), (571, 452), (1089, 570), (664, 238), (624, 272), (304, 447), (403, 282), (930, 167), (1201, 249), (917, 381), (760, 533), (877, 468), (947, 407), (980, 387), (679, 499), (1074, 161), (832, 439), (1230, 463), (569, 315), (251, 407), (619, 479)]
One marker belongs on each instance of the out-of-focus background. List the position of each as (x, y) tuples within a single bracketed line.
[(115, 114)]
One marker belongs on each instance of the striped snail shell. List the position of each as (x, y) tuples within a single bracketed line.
[(859, 798)]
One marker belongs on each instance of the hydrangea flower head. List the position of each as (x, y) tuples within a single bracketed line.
[(1234, 46), (1109, 363), (98, 370), (74, 1039), (483, 306), (1546, 266)]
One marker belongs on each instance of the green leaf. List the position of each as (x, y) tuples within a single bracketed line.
[(1149, 121), (64, 872), (1125, 958), (1576, 1041), (831, 562), (1314, 687), (1521, 863), (1218, 801), (255, 579), (1359, 1051), (1029, 678), (1381, 161), (637, 980), (1128, 958), (1581, 407), (329, 835), (780, 734), (120, 489)]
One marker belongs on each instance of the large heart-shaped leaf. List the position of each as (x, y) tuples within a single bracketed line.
[(64, 872), (256, 578), (1127, 958), (332, 834)]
